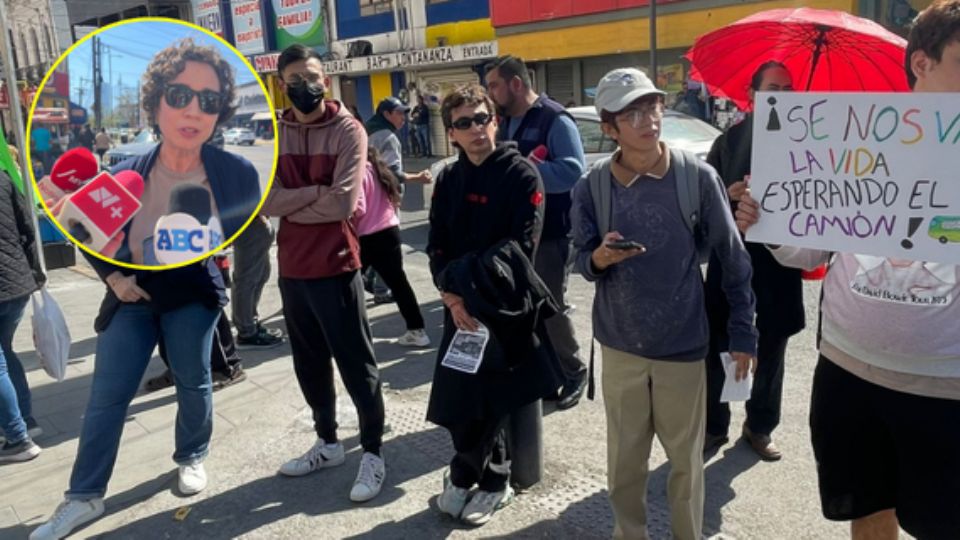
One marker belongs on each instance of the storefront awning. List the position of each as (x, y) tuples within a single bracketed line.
[(264, 115)]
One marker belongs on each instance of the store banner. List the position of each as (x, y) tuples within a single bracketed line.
[(298, 21), (207, 14), (248, 28)]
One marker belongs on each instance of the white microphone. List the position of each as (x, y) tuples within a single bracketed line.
[(189, 230)]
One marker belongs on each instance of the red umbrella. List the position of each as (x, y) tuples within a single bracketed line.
[(825, 50)]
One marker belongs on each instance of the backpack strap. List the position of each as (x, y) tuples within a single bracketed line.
[(687, 172), (598, 179)]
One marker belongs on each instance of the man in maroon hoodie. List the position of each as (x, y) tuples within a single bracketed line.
[(319, 176)]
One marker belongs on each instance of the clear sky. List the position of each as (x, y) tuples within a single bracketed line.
[(129, 48)]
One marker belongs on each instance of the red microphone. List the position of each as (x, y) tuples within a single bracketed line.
[(100, 209), (70, 171)]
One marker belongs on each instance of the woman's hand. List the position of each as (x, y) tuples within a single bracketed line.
[(458, 311), (125, 287)]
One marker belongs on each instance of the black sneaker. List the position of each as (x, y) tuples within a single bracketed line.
[(223, 380), (24, 450), (263, 339), (275, 332)]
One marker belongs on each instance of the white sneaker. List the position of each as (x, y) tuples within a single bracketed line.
[(453, 498), (482, 506), (414, 338), (320, 456), (67, 517), (192, 478), (369, 478)]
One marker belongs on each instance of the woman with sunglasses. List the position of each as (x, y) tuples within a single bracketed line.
[(187, 92)]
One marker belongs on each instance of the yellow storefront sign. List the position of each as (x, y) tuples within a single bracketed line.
[(673, 30)]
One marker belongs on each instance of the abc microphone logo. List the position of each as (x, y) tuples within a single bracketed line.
[(179, 237)]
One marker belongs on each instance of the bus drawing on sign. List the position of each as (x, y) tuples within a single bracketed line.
[(945, 229)]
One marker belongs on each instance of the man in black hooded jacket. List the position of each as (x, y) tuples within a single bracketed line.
[(489, 199)]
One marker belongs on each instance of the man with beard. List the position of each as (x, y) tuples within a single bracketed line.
[(319, 176), (548, 136)]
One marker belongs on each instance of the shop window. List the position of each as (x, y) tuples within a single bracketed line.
[(374, 7)]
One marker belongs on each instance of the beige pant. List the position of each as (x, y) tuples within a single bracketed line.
[(644, 397)]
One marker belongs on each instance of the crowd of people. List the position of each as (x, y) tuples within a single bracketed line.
[(510, 218)]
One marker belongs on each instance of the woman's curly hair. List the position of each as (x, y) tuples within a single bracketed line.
[(170, 62)]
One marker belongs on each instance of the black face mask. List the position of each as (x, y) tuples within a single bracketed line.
[(306, 97)]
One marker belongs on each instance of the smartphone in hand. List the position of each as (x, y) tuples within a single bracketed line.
[(625, 245)]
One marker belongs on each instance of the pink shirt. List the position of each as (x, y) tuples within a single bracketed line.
[(374, 212)]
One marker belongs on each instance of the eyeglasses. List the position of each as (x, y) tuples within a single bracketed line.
[(179, 96), (466, 122), (636, 116), (303, 78)]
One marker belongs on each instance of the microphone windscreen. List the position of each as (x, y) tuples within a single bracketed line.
[(132, 181), (73, 168), (191, 199)]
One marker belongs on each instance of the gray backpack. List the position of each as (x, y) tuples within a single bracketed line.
[(686, 167)]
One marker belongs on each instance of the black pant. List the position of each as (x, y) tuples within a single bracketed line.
[(763, 407), (382, 250), (482, 457), (223, 357), (553, 264), (326, 318)]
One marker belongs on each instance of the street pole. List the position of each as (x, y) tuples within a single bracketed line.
[(653, 41), (14, 99)]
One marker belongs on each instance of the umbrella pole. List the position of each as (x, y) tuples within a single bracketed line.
[(819, 42)]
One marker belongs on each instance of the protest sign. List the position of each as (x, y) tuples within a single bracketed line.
[(876, 174)]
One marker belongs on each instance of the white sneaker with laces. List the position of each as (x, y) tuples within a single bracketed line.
[(192, 478), (320, 456), (69, 515), (453, 498), (414, 338), (482, 506), (369, 478)]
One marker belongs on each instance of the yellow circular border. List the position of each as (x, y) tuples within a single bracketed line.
[(263, 197)]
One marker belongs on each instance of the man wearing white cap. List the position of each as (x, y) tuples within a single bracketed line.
[(641, 220)]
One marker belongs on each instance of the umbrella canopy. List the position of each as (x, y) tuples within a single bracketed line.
[(824, 50)]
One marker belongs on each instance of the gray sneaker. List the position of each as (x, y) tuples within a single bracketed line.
[(453, 498), (483, 505), (33, 428), (24, 450)]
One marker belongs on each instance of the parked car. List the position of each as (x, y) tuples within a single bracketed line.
[(144, 142), (239, 136), (678, 130), (141, 144)]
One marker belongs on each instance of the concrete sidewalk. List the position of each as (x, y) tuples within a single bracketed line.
[(262, 422)]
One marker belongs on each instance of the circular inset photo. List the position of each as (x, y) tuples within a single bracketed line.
[(157, 164)]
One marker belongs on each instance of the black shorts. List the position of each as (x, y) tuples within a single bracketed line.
[(878, 449)]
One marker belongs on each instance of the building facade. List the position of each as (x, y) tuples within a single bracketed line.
[(571, 45)]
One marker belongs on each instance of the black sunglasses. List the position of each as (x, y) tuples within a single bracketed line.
[(463, 124), (179, 96)]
